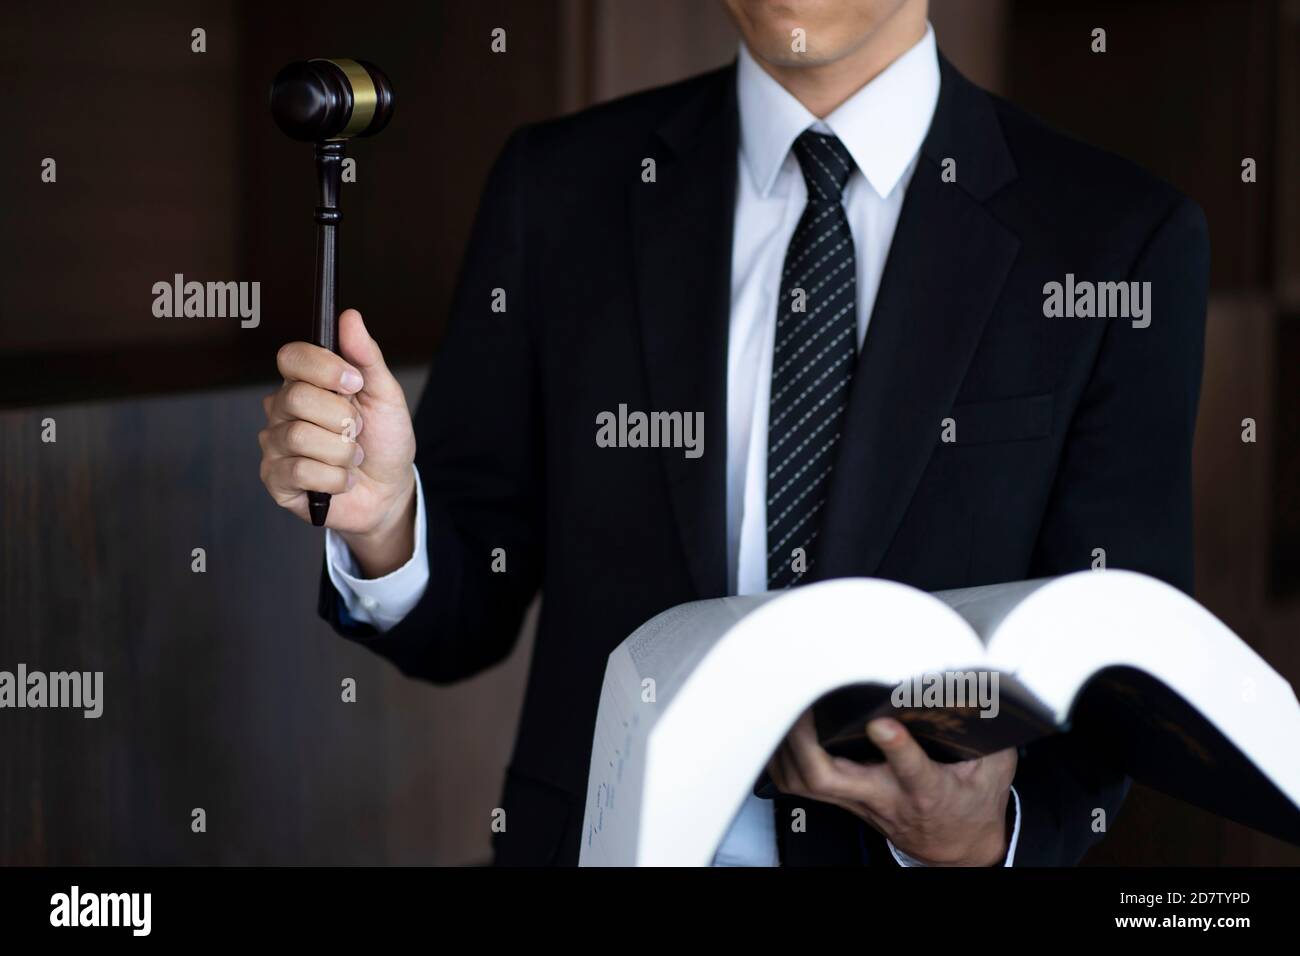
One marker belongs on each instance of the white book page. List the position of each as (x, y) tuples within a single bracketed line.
[(718, 728), (1075, 625), (985, 607), (668, 647), (641, 678)]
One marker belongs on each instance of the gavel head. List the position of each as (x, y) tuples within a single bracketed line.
[(319, 100)]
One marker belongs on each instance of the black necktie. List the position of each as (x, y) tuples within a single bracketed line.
[(812, 363)]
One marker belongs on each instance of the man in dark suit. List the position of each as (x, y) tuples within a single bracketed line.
[(929, 340)]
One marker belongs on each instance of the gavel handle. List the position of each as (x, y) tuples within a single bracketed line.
[(325, 323)]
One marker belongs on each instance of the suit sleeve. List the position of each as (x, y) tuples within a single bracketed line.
[(1125, 486), (478, 456)]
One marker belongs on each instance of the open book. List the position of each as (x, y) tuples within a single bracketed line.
[(696, 699)]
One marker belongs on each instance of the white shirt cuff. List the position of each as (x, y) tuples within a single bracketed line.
[(902, 859), (381, 602)]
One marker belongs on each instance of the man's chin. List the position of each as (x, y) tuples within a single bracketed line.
[(785, 58)]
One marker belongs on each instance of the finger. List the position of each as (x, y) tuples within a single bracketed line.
[(813, 764), (793, 781), (793, 785), (877, 779), (300, 400), (915, 771), (289, 476), (300, 439), (304, 362), (786, 778), (359, 348)]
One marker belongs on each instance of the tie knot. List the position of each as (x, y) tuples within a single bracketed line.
[(826, 165)]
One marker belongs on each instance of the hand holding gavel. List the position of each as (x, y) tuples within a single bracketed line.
[(339, 425), (303, 446)]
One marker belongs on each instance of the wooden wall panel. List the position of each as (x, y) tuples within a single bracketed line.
[(1185, 89), (169, 163), (222, 689), (1286, 158), (143, 132)]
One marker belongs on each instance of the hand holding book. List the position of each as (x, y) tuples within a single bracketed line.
[(940, 814), (1131, 669)]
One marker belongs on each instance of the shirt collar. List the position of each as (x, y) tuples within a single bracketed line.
[(882, 125)]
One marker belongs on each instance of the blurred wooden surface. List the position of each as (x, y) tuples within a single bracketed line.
[(1185, 90), (146, 139), (168, 162), (222, 690)]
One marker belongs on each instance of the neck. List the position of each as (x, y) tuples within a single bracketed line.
[(821, 87)]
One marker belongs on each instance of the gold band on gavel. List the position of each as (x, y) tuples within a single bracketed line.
[(364, 97)]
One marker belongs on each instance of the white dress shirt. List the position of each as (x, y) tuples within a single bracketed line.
[(380, 602), (882, 126)]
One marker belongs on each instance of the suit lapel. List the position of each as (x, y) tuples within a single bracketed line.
[(946, 266), (682, 229)]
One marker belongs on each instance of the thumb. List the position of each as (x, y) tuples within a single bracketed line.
[(904, 755), (356, 345)]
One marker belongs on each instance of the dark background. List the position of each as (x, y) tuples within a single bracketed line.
[(223, 689)]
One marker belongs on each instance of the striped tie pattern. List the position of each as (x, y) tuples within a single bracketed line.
[(812, 363)]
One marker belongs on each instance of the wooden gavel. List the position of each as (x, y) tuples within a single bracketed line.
[(327, 102)]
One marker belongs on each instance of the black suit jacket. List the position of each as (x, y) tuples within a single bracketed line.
[(1072, 433)]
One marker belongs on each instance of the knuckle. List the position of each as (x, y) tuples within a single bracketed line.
[(342, 453), (925, 804), (297, 396), (287, 357), (299, 471), (296, 435), (819, 780), (345, 418)]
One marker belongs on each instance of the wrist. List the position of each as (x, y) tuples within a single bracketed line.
[(987, 848), (992, 847), (389, 544), (991, 850)]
